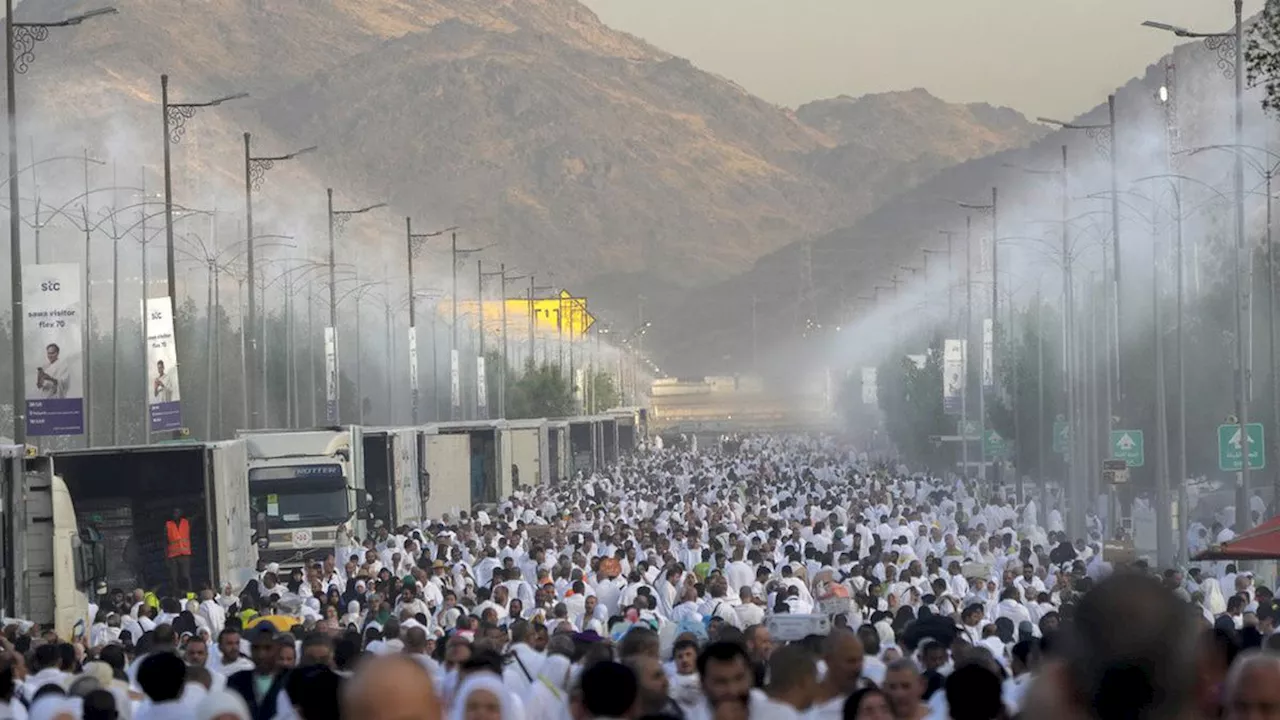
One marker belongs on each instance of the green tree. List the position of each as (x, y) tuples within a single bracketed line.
[(604, 391), (1262, 55)]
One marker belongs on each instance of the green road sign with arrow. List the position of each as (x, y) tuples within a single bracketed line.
[(994, 445), (1127, 445), (1231, 448)]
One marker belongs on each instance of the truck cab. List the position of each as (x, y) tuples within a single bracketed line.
[(304, 484), (50, 568)]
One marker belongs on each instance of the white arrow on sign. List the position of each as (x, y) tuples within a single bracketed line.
[(1235, 439), (1126, 442), (995, 436)]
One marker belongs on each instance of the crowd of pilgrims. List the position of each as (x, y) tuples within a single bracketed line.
[(790, 578)]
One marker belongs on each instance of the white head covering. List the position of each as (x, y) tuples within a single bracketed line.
[(222, 702), (487, 682), (1214, 602)]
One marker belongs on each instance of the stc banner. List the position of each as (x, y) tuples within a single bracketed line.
[(953, 375), (869, 391), (482, 388), (988, 355), (164, 398), (331, 375), (53, 342), (455, 382)]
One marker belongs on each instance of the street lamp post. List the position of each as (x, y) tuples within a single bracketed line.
[(455, 370), (992, 209), (504, 278), (337, 220), (1230, 49), (20, 42), (255, 171), (410, 251)]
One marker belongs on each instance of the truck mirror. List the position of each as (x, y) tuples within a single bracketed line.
[(364, 501), (260, 534)]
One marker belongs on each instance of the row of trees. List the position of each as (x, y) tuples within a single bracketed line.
[(1030, 356)]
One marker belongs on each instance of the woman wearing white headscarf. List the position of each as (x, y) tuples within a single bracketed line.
[(353, 614), (548, 697), (222, 705), (483, 696), (1214, 601)]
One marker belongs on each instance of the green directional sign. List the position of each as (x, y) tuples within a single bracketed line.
[(1061, 435), (994, 445), (1231, 448), (1127, 445)]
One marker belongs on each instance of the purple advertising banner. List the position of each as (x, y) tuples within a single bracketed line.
[(55, 416), (166, 416), (53, 339)]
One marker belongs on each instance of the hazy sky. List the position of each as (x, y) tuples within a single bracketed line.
[(1042, 57)]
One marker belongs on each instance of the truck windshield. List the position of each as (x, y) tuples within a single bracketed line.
[(299, 501)]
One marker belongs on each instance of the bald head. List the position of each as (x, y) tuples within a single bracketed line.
[(843, 654), (391, 687), (1253, 685)]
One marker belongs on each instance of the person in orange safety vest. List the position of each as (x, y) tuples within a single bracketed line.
[(177, 552)]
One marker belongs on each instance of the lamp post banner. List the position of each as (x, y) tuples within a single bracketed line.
[(164, 397), (953, 373), (988, 354), (870, 393), (331, 375), (413, 363), (53, 349), (482, 388), (455, 382)]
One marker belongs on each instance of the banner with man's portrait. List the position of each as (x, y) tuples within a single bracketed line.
[(53, 349)]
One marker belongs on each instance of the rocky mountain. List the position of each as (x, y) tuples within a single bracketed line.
[(578, 149), (826, 277)]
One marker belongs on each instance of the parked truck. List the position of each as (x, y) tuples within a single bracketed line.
[(49, 571), (559, 459), (525, 454), (303, 485), (446, 481), (484, 473), (582, 445), (123, 496), (393, 475)]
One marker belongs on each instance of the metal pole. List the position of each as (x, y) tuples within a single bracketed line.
[(1182, 395), (146, 314), (311, 349), (244, 359), (455, 366), (435, 364), (533, 361), (333, 318), (1164, 518), (89, 404), (1115, 250), (968, 332), (170, 253), (115, 325), (1243, 516), (413, 316), (502, 386), (1040, 434), (208, 344), (359, 364), (391, 416), (482, 411), (254, 386), (15, 246)]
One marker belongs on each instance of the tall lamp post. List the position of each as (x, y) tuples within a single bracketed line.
[(411, 250), (337, 221), (1230, 49), (255, 172), (455, 370), (20, 43), (502, 375), (993, 210)]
